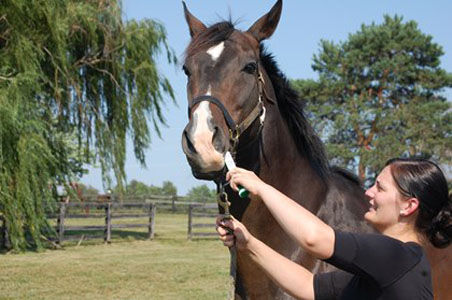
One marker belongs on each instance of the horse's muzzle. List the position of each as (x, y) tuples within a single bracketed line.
[(205, 152)]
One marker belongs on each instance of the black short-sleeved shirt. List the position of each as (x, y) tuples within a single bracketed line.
[(374, 266)]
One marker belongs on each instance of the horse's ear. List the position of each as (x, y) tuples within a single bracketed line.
[(194, 24), (266, 25)]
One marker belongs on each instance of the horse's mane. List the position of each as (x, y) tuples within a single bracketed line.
[(291, 108)]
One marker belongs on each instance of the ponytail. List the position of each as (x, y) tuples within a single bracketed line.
[(440, 231)]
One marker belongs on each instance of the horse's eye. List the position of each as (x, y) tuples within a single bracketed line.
[(186, 71), (250, 68)]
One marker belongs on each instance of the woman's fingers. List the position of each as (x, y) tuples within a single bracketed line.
[(236, 178), (229, 244), (226, 237), (232, 232), (225, 230), (224, 226), (231, 177)]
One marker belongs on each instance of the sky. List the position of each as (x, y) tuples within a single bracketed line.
[(296, 39)]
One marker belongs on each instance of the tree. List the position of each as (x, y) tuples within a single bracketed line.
[(71, 73), (169, 189), (88, 190), (379, 95), (202, 193), (155, 190), (137, 188)]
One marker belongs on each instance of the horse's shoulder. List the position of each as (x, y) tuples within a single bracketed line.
[(345, 203)]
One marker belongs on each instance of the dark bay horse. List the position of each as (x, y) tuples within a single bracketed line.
[(239, 101)]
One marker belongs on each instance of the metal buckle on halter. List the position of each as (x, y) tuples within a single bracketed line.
[(262, 117), (260, 77), (234, 134), (222, 199)]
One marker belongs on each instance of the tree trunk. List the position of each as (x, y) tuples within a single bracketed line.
[(361, 170)]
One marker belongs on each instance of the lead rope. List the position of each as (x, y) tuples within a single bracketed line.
[(222, 196), (222, 199)]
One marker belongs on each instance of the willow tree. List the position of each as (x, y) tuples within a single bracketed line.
[(75, 82), (380, 94)]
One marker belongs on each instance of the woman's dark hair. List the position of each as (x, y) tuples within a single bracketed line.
[(424, 180)]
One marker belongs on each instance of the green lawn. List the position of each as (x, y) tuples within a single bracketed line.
[(168, 267)]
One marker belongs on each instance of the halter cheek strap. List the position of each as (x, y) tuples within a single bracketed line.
[(235, 130)]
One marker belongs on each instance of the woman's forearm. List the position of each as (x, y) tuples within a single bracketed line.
[(293, 278), (308, 230)]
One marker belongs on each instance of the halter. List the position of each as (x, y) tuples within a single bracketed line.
[(236, 130)]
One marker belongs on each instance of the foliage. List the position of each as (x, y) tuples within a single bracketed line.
[(87, 190), (75, 81), (380, 95), (138, 188), (169, 189), (202, 193)]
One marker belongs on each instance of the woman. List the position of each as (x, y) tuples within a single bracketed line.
[(409, 203)]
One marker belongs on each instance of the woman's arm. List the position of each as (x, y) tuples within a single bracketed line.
[(293, 278), (308, 230)]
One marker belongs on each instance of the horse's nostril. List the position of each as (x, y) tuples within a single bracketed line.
[(215, 133), (190, 146), (217, 140)]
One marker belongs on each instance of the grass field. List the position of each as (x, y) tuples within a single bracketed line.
[(168, 267)]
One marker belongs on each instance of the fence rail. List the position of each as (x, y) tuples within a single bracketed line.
[(192, 218), (197, 223), (108, 215)]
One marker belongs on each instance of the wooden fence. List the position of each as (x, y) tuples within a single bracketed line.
[(109, 215), (195, 212), (199, 216)]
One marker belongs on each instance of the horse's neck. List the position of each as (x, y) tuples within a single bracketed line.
[(285, 168), (278, 162)]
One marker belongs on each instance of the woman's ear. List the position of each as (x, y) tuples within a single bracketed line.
[(409, 206)]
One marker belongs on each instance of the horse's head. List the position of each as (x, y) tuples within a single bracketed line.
[(224, 89)]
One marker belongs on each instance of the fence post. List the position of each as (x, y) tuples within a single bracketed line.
[(60, 222), (190, 216), (173, 203), (6, 241), (152, 208), (107, 236)]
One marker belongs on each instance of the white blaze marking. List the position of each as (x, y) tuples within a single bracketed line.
[(209, 91), (216, 51), (211, 159), (203, 115)]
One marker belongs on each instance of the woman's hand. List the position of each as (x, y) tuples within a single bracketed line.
[(247, 179), (232, 232)]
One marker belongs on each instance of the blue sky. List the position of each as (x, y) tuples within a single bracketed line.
[(303, 24)]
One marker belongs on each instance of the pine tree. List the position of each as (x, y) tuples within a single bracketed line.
[(75, 80), (380, 95)]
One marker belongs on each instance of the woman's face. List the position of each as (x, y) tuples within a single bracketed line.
[(385, 201)]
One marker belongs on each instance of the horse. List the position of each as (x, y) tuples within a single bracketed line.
[(239, 101)]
